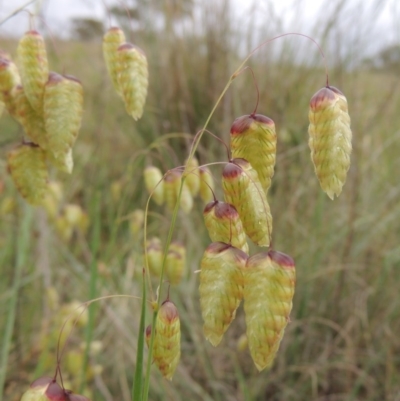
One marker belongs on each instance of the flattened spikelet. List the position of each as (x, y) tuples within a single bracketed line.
[(243, 190), (206, 182), (154, 183), (9, 80), (175, 263), (171, 186), (63, 107), (224, 225), (133, 78), (112, 39), (221, 288), (155, 256), (37, 390), (253, 138), (34, 68), (330, 139), (269, 281), (27, 167), (193, 177)]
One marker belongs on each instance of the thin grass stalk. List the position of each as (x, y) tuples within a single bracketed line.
[(22, 247)]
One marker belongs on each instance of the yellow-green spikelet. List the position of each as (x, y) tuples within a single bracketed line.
[(330, 139), (34, 69), (172, 184), (63, 108), (167, 340), (37, 390), (133, 78), (9, 80), (193, 177), (175, 262), (269, 282), (224, 225), (221, 288), (243, 190), (154, 256), (206, 184), (112, 39), (253, 138), (64, 163), (153, 180), (27, 166)]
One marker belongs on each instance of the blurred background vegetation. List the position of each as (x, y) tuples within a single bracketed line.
[(343, 340)]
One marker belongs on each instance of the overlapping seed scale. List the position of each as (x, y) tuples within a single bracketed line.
[(167, 347), (224, 225), (175, 263), (154, 256), (206, 184), (27, 166), (330, 139), (243, 190), (32, 122), (9, 80), (253, 138), (112, 39), (193, 177), (221, 288), (154, 183), (64, 163), (63, 107), (269, 282), (133, 78), (34, 68)]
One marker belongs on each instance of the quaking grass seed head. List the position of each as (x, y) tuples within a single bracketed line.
[(193, 177), (9, 80), (175, 262), (45, 389), (153, 180), (206, 184), (155, 256)]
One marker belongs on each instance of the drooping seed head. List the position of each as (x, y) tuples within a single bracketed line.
[(37, 389), (172, 185), (155, 256), (154, 183), (9, 80), (193, 177), (175, 262), (330, 138), (136, 221), (206, 184), (253, 138)]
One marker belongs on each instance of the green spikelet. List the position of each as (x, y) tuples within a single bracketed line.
[(269, 281), (330, 139), (243, 190), (206, 182), (186, 201), (2, 107), (221, 288), (193, 177), (224, 225), (63, 107), (112, 39), (27, 167), (253, 138), (133, 78), (9, 80), (154, 183), (172, 184), (175, 263), (167, 340), (155, 256), (64, 163), (34, 68)]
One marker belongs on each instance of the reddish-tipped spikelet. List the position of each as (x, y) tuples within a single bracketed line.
[(155, 256), (243, 190), (112, 39), (175, 262), (9, 80), (330, 138), (132, 78), (154, 183), (253, 138), (221, 288), (193, 177), (206, 184), (167, 341), (32, 58), (62, 110), (148, 334), (27, 166), (64, 163), (224, 225), (46, 389), (269, 281)]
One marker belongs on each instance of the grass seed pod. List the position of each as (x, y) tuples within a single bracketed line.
[(37, 390), (175, 263), (155, 256), (167, 341), (193, 177), (62, 110), (206, 184), (132, 78), (112, 39), (153, 180), (171, 185), (64, 163), (253, 138), (330, 139), (243, 190), (9, 80), (136, 222), (269, 281), (27, 166), (34, 68), (221, 288), (186, 201), (224, 225)]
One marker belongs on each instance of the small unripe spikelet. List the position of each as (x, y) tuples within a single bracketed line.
[(154, 183), (136, 222), (243, 190), (175, 263), (154, 256), (27, 166), (167, 341), (64, 163), (193, 177), (186, 200), (34, 68), (269, 281), (112, 39), (132, 78), (45, 389), (9, 80), (330, 139), (253, 138), (206, 184), (62, 111), (172, 184), (224, 225), (221, 288)]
